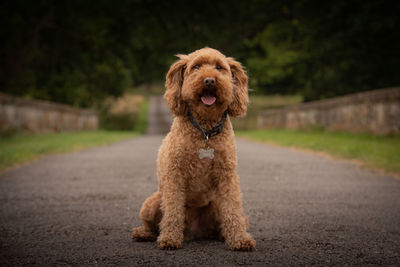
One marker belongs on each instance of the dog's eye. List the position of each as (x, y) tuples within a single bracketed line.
[(196, 67), (219, 67)]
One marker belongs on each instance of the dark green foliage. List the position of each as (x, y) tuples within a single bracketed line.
[(125, 121), (63, 51), (120, 122), (327, 48), (79, 51)]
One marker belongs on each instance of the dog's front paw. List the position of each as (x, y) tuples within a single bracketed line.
[(141, 234), (243, 243), (169, 242)]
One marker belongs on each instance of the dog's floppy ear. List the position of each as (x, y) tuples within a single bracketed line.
[(238, 107), (173, 85)]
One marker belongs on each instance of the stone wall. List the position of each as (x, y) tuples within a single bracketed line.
[(376, 111), (42, 116)]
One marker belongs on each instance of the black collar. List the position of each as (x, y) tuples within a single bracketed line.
[(208, 133)]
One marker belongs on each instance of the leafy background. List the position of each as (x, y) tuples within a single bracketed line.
[(80, 52)]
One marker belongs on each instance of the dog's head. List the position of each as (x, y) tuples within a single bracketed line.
[(207, 83)]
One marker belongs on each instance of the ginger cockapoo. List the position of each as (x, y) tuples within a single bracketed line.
[(198, 187)]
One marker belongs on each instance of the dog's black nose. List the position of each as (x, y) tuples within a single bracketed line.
[(209, 81)]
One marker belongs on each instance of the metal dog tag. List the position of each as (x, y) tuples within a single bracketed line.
[(206, 153)]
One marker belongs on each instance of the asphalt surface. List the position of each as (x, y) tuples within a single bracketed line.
[(304, 209)]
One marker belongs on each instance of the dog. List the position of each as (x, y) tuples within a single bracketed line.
[(198, 194)]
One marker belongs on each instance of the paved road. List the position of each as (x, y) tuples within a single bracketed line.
[(79, 209)]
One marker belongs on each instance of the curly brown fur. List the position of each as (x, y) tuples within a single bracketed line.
[(199, 198)]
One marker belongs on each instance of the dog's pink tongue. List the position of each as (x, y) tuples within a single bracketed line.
[(208, 99)]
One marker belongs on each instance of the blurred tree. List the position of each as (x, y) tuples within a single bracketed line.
[(61, 51), (323, 49), (78, 52)]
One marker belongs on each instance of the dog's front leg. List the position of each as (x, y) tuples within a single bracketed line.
[(172, 222), (233, 222)]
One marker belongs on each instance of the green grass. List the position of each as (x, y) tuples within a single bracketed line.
[(19, 149), (381, 152)]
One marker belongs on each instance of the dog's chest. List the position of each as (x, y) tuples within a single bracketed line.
[(201, 159), (200, 187), (200, 179), (199, 171)]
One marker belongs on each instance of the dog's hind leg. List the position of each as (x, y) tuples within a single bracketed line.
[(150, 214)]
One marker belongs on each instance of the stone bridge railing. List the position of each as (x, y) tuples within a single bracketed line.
[(42, 116), (376, 111)]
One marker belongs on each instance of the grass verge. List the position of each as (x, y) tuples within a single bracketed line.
[(19, 149), (381, 152)]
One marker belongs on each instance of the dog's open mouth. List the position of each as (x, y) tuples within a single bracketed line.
[(208, 98)]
